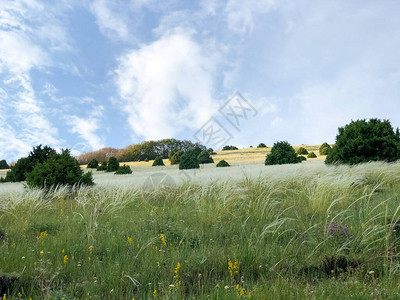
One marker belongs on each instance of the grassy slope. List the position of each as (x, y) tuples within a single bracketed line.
[(304, 232)]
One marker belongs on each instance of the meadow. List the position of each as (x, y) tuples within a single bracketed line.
[(305, 231)]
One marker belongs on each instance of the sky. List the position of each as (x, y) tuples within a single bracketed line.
[(85, 75)]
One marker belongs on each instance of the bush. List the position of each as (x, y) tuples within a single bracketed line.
[(324, 149), (261, 145), (364, 141), (58, 169), (158, 162), (112, 165), (302, 158), (102, 167), (311, 155), (282, 153), (25, 165), (93, 164), (302, 151), (229, 148), (4, 164), (223, 163), (124, 170), (188, 161), (205, 158), (176, 157)]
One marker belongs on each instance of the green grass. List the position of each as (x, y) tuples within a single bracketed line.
[(307, 233)]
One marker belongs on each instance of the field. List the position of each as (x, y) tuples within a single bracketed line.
[(305, 231)]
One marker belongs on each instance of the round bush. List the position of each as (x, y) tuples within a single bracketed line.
[(124, 170), (282, 153), (158, 162), (112, 165), (205, 158), (59, 169), (102, 167), (311, 155), (364, 141), (188, 161), (93, 164), (324, 149), (302, 151), (223, 163), (261, 145), (229, 148)]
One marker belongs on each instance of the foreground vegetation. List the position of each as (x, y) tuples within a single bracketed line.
[(320, 233)]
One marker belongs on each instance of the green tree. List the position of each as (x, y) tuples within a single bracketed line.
[(311, 155), (205, 158), (229, 148), (158, 161), (223, 163), (93, 164), (4, 164), (59, 169), (176, 157), (188, 160), (324, 149), (282, 153), (112, 165), (261, 145), (364, 141), (125, 169), (302, 151)]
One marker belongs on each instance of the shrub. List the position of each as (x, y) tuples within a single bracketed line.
[(158, 162), (125, 169), (4, 164), (261, 145), (102, 167), (59, 169), (112, 165), (229, 148), (302, 151), (311, 155), (302, 158), (188, 161), (93, 164), (196, 150), (205, 158), (324, 149), (223, 163), (282, 153), (364, 141), (176, 157)]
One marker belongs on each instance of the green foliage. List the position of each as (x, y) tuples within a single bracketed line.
[(302, 158), (196, 150), (158, 161), (324, 149), (282, 153), (102, 167), (223, 163), (364, 141), (125, 169), (311, 155), (188, 160), (112, 165), (4, 164), (261, 145), (176, 157), (205, 158), (93, 164), (25, 165), (229, 148), (58, 169), (302, 151)]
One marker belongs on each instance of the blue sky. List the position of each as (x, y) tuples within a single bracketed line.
[(91, 74)]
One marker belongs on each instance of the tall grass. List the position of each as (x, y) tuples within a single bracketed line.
[(306, 231)]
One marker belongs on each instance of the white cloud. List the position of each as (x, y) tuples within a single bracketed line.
[(241, 13), (166, 86)]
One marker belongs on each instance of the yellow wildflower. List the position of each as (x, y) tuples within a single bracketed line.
[(4, 296), (90, 250), (61, 211), (233, 267), (176, 276), (163, 240), (130, 240), (19, 294), (65, 259), (42, 252), (155, 294), (62, 251), (138, 245)]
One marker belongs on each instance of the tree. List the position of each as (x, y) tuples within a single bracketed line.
[(205, 158), (188, 160), (4, 164), (93, 164), (102, 167), (158, 162), (176, 157), (302, 151), (282, 153), (59, 169), (364, 141), (311, 155), (112, 165), (223, 163), (324, 149), (125, 169), (229, 148), (261, 145)]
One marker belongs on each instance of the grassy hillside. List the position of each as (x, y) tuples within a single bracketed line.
[(304, 231)]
